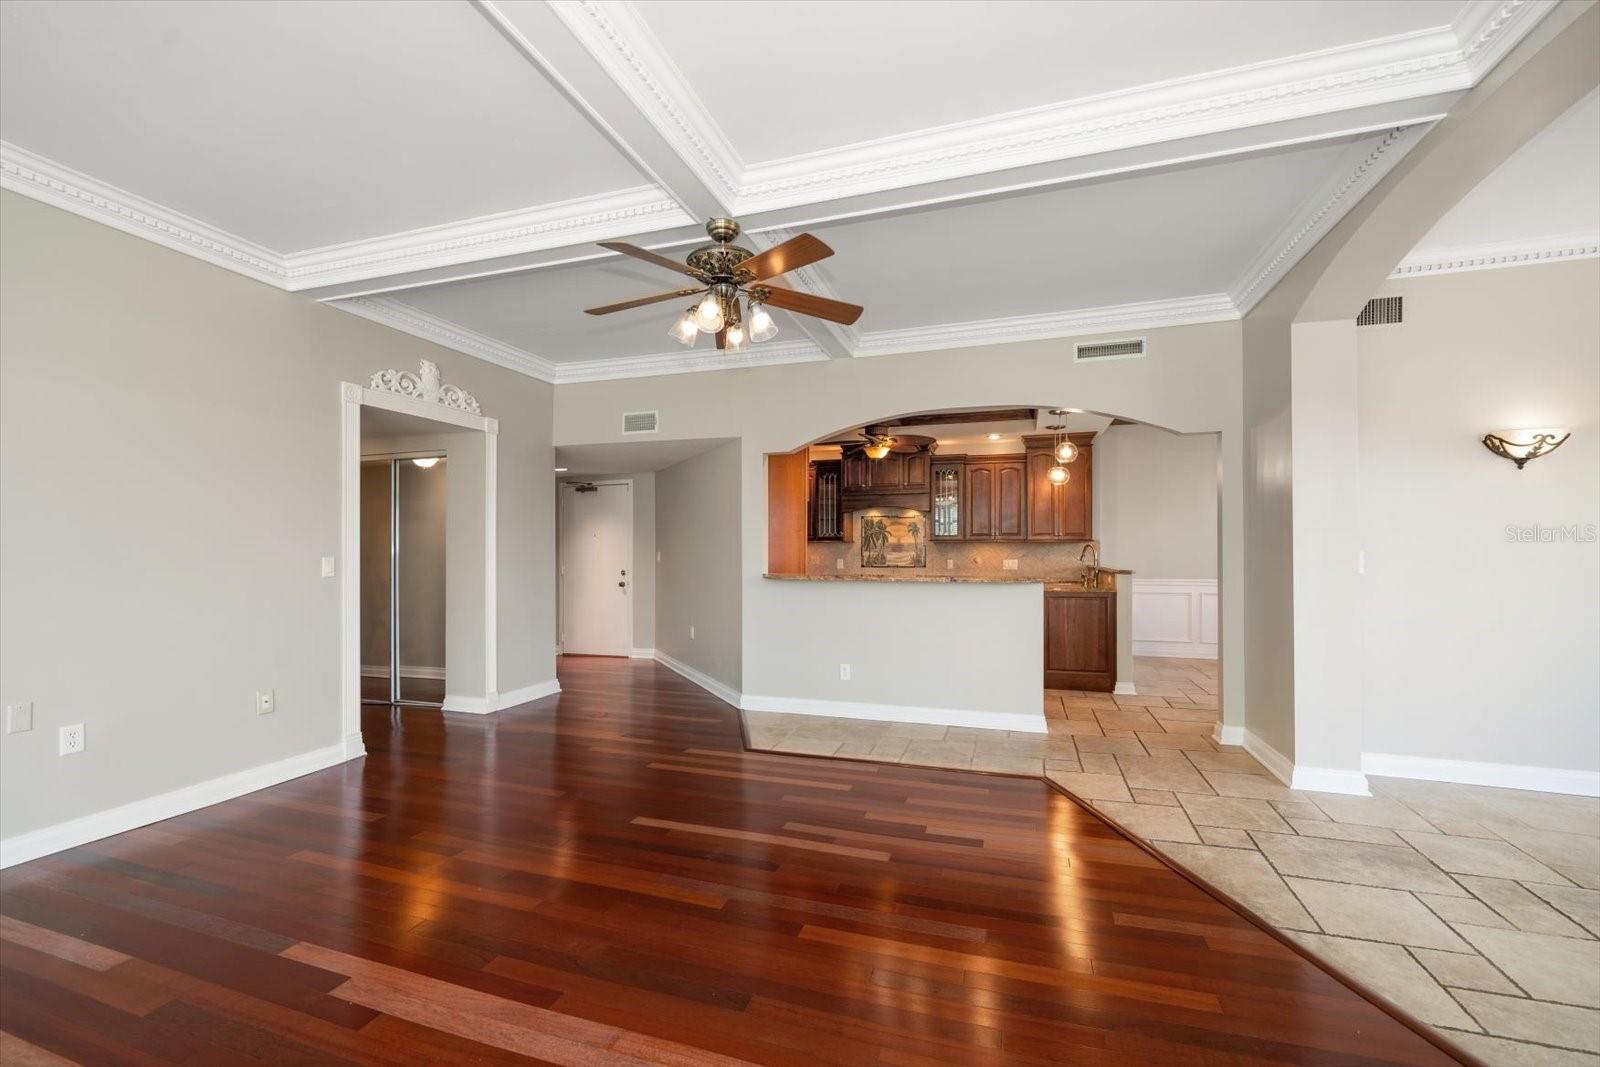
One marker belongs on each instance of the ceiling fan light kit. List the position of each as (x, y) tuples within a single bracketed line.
[(734, 281)]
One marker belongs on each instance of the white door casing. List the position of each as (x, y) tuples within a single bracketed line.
[(596, 561)]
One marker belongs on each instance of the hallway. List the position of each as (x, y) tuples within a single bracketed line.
[(608, 877)]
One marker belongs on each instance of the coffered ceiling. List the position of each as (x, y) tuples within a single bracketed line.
[(984, 171)]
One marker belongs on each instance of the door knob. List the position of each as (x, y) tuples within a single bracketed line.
[(622, 585)]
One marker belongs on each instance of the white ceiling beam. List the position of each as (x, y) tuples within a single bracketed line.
[(551, 37), (542, 37), (372, 274)]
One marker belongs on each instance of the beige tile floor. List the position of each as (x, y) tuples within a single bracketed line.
[(1477, 910)]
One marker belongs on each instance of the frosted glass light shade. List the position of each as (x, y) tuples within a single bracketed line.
[(708, 316)]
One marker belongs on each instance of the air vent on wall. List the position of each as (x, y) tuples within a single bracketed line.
[(1129, 349), (641, 422), (1380, 311)]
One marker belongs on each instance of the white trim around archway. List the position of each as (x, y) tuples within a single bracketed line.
[(352, 398)]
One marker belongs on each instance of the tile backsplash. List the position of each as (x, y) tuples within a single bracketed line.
[(1054, 559)]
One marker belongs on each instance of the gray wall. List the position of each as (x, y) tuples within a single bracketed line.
[(1477, 646), (169, 479), (1155, 501), (698, 578)]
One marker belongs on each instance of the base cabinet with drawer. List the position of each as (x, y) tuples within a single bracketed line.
[(1080, 640)]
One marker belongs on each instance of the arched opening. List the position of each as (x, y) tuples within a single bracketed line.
[(1114, 518)]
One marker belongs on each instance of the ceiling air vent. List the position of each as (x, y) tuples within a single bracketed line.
[(641, 421), (1380, 311), (1130, 349)]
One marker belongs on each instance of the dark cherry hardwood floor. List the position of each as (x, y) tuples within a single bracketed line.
[(608, 878)]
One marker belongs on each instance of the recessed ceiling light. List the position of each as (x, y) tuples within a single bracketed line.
[(561, 470), (994, 437)]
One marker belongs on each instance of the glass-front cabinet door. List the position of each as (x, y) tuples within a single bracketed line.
[(947, 501)]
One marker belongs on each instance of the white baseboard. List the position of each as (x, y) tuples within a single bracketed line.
[(1330, 780), (642, 653), (725, 693), (1467, 772), (1125, 689), (488, 705), (841, 709), (81, 831), (369, 670), (537, 691), (1227, 735), (1294, 775), (1270, 758)]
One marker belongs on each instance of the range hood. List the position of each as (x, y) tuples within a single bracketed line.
[(902, 480)]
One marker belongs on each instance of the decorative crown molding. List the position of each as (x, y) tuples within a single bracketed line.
[(1430, 261), (42, 179), (767, 354), (592, 218), (1385, 70), (1362, 168), (446, 334), (603, 217), (427, 386), (1186, 311), (621, 42)]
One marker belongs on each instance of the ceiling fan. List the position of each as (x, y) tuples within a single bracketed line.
[(723, 272), (879, 443)]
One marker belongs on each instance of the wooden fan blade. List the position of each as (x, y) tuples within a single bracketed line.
[(793, 254), (810, 304), (722, 339), (641, 302), (650, 257)]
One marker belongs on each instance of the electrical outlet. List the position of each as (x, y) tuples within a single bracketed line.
[(691, 633), (19, 718), (949, 564), (838, 564), (844, 672), (71, 739), (1008, 564), (266, 701)]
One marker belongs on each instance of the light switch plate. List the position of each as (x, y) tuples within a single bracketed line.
[(327, 566), (19, 718)]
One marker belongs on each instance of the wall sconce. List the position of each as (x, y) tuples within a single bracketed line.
[(1519, 446)]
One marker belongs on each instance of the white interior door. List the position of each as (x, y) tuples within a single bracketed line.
[(597, 569)]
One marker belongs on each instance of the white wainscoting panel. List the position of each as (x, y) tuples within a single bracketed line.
[(1175, 617)]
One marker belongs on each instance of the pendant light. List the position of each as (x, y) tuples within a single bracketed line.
[(1065, 450)]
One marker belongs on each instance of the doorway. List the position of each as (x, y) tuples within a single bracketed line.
[(404, 502), (596, 583)]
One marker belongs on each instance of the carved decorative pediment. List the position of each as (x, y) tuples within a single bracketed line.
[(426, 385)]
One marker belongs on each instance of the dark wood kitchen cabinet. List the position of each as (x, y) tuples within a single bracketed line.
[(1080, 640), (996, 499), (1060, 512)]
